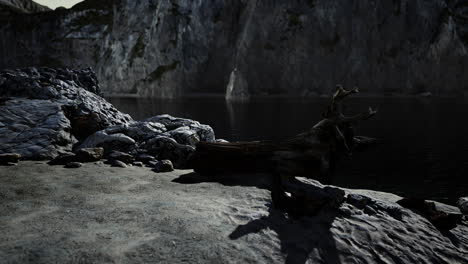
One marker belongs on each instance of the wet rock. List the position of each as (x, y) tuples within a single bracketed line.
[(118, 163), (73, 165), (163, 166), (120, 156), (89, 154), (9, 158), (462, 203)]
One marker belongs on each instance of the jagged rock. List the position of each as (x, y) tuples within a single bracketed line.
[(120, 156), (51, 110), (36, 129), (185, 135), (73, 165), (9, 158), (359, 201), (171, 123), (276, 44), (167, 148), (118, 163), (89, 154), (237, 88), (307, 197), (163, 166), (440, 219), (63, 108), (462, 203)]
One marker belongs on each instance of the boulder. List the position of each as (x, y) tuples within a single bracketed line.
[(120, 156), (110, 142), (462, 203), (118, 163), (9, 158), (73, 165), (89, 154), (145, 158), (36, 129), (63, 159), (168, 148), (46, 112), (163, 166), (50, 110)]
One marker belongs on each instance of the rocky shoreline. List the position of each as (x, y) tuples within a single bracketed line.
[(59, 116), (51, 113)]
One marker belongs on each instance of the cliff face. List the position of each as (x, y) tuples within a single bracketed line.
[(168, 48)]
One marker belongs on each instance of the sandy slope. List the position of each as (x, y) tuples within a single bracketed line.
[(98, 214)]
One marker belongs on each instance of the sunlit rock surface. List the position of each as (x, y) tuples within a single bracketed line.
[(172, 48)]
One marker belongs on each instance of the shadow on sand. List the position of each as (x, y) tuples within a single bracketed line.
[(299, 237)]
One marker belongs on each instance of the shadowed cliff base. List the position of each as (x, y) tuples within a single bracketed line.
[(299, 48)]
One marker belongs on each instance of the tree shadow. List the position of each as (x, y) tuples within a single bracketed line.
[(299, 236)]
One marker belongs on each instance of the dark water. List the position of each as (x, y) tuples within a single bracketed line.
[(424, 152)]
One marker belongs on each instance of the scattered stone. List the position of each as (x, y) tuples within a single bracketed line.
[(118, 163), (63, 159), (89, 154), (463, 205), (73, 165), (120, 156), (9, 158), (164, 166)]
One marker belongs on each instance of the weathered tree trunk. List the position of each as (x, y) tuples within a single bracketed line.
[(311, 154)]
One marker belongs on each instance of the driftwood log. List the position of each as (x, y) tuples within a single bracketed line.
[(311, 154)]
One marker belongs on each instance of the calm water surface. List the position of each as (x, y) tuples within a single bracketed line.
[(424, 152)]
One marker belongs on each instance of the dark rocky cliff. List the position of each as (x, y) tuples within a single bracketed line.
[(168, 48)]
